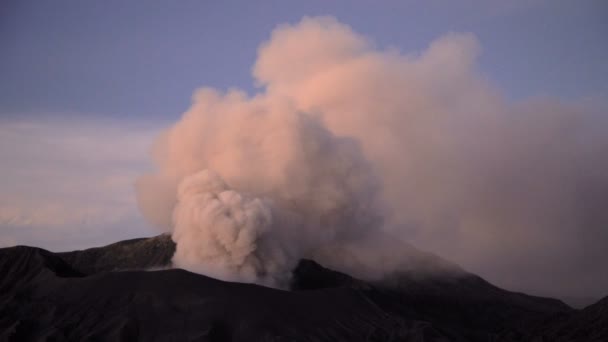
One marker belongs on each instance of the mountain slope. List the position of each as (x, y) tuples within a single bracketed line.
[(134, 254), (589, 324), (81, 296), (178, 305)]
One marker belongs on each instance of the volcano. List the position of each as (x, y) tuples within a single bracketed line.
[(127, 291)]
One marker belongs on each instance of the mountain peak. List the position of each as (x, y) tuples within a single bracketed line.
[(43, 292)]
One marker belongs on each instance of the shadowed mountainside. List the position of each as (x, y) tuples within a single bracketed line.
[(73, 296), (134, 254)]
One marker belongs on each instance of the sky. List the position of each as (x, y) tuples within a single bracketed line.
[(85, 87)]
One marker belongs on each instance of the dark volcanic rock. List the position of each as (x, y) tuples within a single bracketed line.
[(135, 254), (309, 275), (177, 305), (460, 306), (589, 324), (72, 297)]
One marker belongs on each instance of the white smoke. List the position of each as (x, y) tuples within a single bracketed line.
[(347, 144)]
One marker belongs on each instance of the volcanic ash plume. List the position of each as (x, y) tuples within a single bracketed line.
[(346, 148), (217, 229), (259, 185)]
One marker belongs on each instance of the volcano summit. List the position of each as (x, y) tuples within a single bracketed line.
[(126, 292)]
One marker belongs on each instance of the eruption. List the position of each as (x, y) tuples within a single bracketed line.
[(347, 150), (217, 229), (259, 185)]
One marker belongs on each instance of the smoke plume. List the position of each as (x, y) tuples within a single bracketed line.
[(347, 147)]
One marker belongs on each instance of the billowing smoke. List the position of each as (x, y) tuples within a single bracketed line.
[(218, 230), (346, 146), (255, 185)]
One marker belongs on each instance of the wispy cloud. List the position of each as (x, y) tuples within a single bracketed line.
[(67, 183)]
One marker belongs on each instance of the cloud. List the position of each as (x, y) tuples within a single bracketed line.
[(68, 183)]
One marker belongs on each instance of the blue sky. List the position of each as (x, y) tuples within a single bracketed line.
[(143, 59), (86, 86)]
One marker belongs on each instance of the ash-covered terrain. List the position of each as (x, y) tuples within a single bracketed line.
[(128, 292)]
